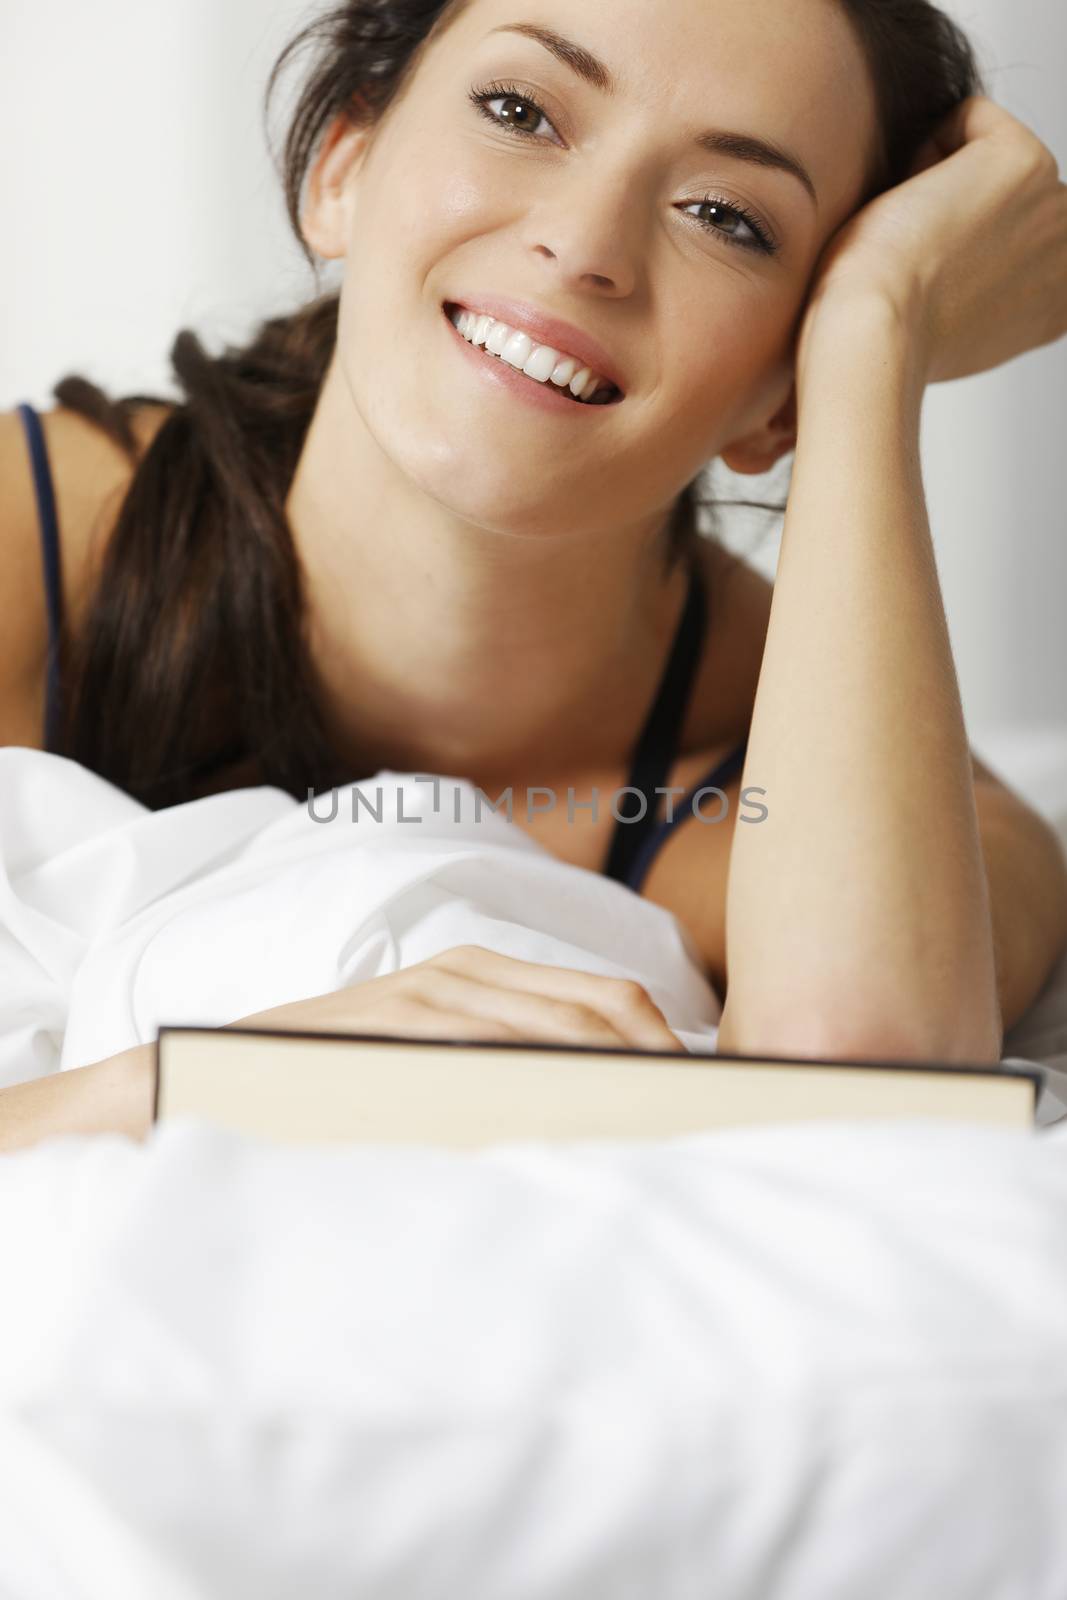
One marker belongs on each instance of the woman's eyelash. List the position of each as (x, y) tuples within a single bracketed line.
[(505, 91), (761, 240)]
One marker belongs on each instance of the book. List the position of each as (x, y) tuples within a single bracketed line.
[(388, 1089)]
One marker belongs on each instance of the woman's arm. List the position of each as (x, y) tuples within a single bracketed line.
[(111, 1096), (858, 915)]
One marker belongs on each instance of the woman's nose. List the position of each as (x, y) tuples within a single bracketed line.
[(592, 233)]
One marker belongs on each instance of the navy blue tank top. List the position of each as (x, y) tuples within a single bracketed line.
[(637, 838)]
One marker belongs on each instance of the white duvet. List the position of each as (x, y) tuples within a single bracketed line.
[(812, 1363), (784, 1363), (115, 919)]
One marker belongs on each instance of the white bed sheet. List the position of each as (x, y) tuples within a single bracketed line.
[(115, 919), (806, 1363)]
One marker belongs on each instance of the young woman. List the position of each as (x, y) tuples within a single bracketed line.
[(388, 534)]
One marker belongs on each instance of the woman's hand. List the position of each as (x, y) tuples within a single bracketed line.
[(465, 992), (471, 993), (971, 249)]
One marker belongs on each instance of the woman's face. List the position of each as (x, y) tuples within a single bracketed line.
[(598, 215)]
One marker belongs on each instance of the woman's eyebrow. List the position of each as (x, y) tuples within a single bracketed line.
[(719, 141)]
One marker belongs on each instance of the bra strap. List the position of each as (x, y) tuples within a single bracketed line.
[(44, 490)]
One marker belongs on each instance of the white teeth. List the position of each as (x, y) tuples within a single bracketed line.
[(537, 361), (541, 364), (518, 349), (579, 382)]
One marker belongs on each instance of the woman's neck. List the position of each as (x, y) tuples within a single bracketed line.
[(442, 645)]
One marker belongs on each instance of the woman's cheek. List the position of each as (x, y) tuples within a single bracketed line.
[(749, 357), (723, 364), (449, 204), (461, 196)]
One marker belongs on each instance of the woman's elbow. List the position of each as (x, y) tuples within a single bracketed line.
[(839, 1032)]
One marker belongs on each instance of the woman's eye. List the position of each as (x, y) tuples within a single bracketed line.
[(735, 225), (483, 99)]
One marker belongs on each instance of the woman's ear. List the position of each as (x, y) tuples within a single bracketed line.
[(758, 451), (326, 216)]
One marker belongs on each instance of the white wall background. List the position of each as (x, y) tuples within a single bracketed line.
[(138, 198)]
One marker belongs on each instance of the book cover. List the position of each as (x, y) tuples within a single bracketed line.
[(323, 1087)]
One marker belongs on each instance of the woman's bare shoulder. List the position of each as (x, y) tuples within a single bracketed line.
[(90, 475)]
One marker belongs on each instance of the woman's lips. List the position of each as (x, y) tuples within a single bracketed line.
[(545, 328), (449, 307)]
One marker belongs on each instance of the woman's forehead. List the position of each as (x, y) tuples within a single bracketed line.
[(790, 72)]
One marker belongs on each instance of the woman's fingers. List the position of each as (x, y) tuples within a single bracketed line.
[(532, 1015), (623, 1006), (417, 1018), (472, 993), (971, 249)]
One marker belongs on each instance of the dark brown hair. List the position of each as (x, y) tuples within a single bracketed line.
[(192, 657)]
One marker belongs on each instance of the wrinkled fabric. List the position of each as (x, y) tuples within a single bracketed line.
[(115, 919)]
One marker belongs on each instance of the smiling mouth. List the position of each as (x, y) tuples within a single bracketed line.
[(608, 395)]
